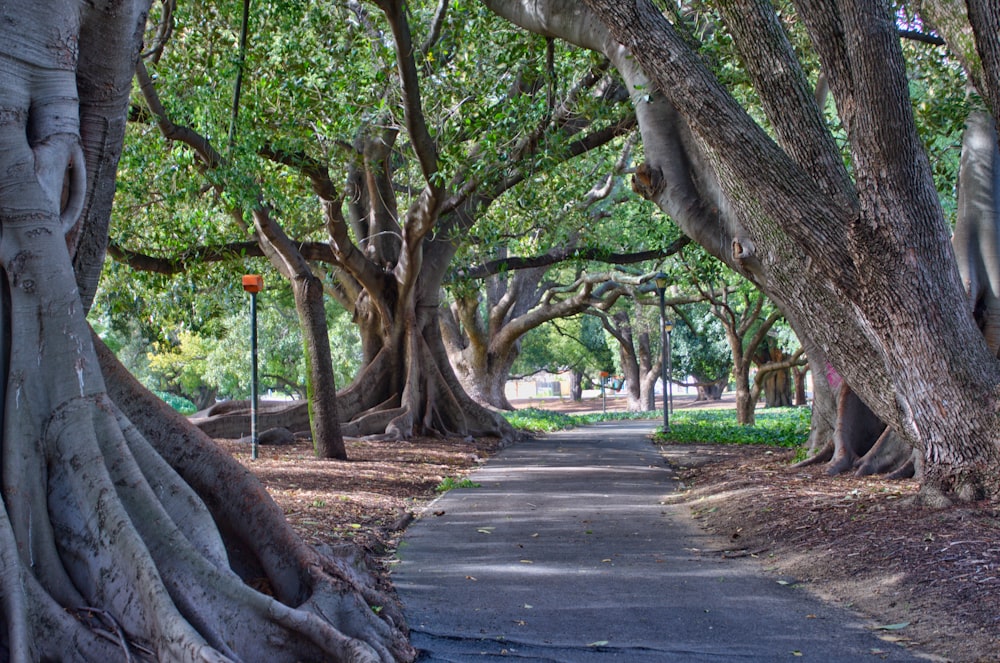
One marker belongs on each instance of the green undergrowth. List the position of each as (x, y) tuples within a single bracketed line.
[(535, 420), (179, 403), (778, 427), (781, 427), (450, 483)]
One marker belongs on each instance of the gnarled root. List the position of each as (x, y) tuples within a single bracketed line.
[(824, 455), (889, 454), (325, 597)]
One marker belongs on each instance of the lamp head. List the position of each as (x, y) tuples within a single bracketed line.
[(253, 283)]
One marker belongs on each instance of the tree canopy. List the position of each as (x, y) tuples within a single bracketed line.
[(829, 203)]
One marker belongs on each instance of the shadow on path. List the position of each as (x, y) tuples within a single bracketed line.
[(566, 553)]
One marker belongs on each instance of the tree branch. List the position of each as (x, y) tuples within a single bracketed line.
[(562, 255), (416, 124), (170, 265)]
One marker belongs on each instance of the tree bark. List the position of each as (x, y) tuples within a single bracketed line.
[(99, 533), (862, 267)]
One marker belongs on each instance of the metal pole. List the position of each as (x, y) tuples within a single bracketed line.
[(663, 361), (254, 441), (670, 372)]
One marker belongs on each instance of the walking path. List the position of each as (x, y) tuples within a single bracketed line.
[(566, 554)]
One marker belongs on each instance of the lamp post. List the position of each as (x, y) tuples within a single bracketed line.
[(668, 326), (253, 283), (661, 285), (604, 393)]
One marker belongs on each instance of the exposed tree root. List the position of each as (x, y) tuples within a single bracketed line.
[(380, 405), (822, 456), (332, 588), (888, 454)]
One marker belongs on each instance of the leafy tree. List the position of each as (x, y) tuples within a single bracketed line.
[(178, 368), (543, 266), (577, 345), (854, 253), (748, 319), (119, 517), (700, 350), (385, 193)]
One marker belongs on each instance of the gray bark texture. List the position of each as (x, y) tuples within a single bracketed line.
[(861, 262), (126, 534)]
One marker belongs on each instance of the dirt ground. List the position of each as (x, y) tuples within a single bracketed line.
[(928, 578)]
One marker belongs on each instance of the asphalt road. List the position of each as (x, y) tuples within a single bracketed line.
[(566, 553)]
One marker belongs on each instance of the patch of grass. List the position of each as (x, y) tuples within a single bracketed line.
[(779, 427), (547, 421), (448, 483), (597, 417), (541, 421)]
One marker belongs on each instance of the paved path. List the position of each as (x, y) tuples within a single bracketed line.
[(565, 554)]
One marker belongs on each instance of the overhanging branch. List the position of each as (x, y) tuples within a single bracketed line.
[(554, 257)]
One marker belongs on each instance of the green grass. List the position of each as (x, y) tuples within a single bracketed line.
[(449, 483), (546, 421), (535, 420), (781, 427)]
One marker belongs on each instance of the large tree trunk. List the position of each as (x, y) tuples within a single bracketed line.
[(859, 262), (709, 391), (800, 374), (307, 290), (482, 360), (746, 399), (484, 341), (409, 388), (106, 551), (639, 369)]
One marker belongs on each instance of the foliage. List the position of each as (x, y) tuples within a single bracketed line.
[(449, 483), (179, 403), (212, 352), (698, 346), (547, 421), (538, 420), (781, 427), (577, 344), (598, 417)]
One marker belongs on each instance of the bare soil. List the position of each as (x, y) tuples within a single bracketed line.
[(928, 578)]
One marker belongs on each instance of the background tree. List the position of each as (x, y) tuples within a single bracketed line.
[(638, 360), (701, 351), (576, 345), (545, 265), (778, 353), (747, 318)]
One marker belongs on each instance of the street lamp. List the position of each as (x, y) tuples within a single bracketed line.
[(668, 326), (661, 285), (253, 283)]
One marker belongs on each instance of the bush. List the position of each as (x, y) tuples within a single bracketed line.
[(179, 403), (780, 427)]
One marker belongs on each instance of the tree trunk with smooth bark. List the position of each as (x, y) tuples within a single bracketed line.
[(126, 533)]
